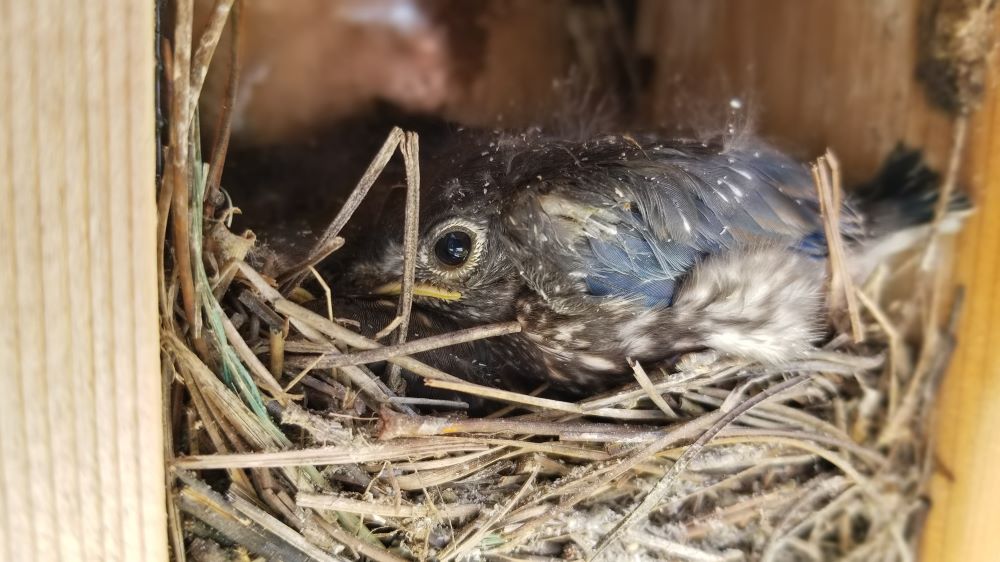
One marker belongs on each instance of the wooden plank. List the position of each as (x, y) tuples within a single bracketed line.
[(81, 461), (812, 75), (966, 489)]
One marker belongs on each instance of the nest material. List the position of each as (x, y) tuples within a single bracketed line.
[(825, 458)]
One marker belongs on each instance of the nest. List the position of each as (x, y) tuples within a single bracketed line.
[(825, 458)]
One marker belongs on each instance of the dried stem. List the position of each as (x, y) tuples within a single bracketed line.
[(643, 379), (543, 403), (338, 332), (331, 455), (337, 503), (224, 126), (206, 49), (393, 426), (329, 238), (471, 538), (411, 225), (249, 526), (261, 375), (826, 175), (276, 342), (663, 486), (180, 119), (416, 346)]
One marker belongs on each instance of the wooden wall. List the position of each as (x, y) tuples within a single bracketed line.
[(812, 74), (81, 461), (965, 519)]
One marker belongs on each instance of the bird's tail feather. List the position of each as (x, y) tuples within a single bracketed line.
[(905, 194), (898, 208)]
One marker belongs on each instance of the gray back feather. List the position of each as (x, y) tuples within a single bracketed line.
[(631, 218)]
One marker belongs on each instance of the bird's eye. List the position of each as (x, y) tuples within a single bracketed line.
[(453, 248)]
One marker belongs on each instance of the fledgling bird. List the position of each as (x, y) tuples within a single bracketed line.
[(624, 248)]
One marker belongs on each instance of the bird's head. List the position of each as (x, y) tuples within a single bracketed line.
[(461, 267)]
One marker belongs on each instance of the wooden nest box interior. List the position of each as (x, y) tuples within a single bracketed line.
[(107, 446)]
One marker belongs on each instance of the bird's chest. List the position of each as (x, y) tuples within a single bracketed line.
[(586, 343)]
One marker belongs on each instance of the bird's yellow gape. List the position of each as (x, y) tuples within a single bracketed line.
[(420, 290)]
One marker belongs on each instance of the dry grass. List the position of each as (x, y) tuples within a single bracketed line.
[(825, 458)]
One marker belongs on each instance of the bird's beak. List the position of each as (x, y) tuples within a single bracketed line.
[(419, 289)]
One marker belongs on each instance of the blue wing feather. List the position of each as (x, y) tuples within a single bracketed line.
[(639, 218)]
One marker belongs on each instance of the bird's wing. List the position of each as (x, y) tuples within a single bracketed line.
[(632, 223)]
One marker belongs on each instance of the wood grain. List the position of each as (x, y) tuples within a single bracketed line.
[(811, 74), (963, 524), (81, 460)]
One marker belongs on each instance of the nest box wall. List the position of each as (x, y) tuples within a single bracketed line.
[(815, 75), (81, 431)]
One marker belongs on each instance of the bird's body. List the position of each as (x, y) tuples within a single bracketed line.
[(619, 248)]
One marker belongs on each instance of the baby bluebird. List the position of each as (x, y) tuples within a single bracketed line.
[(623, 248)]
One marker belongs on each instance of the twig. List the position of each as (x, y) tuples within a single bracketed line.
[(208, 420), (654, 395), (756, 506), (419, 346), (826, 174), (479, 529), (955, 156), (511, 407), (328, 239), (318, 253), (260, 309), (322, 430), (422, 480), (337, 503), (175, 529), (274, 540), (393, 426), (164, 200), (371, 385), (544, 403), (389, 328), (444, 462), (429, 402), (411, 224), (376, 553), (260, 434), (897, 355), (930, 366), (311, 324), (602, 475), (338, 332), (331, 455), (276, 344), (682, 551), (206, 49), (261, 374), (823, 514), (326, 292), (663, 486), (329, 387), (279, 529), (305, 371), (224, 126), (179, 137)]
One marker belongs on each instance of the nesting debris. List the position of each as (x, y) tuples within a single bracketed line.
[(956, 40)]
